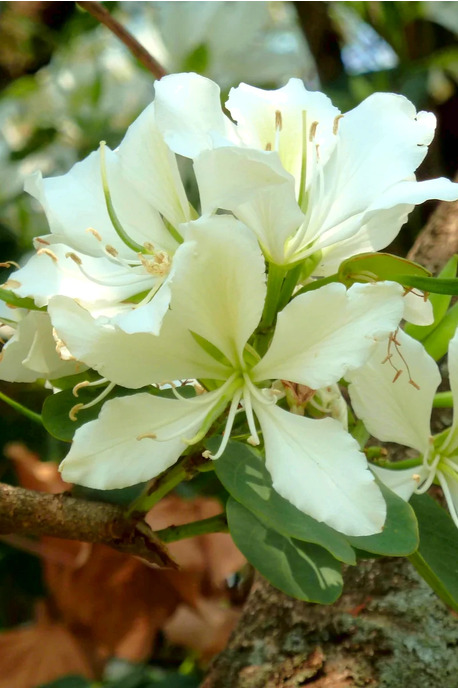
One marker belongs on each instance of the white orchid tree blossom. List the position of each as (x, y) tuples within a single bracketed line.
[(310, 182), (400, 412), (218, 293), (31, 352), (113, 220)]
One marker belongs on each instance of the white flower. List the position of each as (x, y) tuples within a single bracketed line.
[(113, 220), (218, 295), (400, 411), (31, 352), (309, 181)]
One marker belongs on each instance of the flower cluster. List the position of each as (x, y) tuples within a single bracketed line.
[(237, 294)]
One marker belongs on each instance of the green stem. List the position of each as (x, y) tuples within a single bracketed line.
[(122, 234), (316, 284), (400, 465), (289, 284), (165, 483), (274, 284), (444, 399), (193, 529), (37, 418)]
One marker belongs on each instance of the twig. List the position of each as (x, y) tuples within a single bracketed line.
[(102, 15), (34, 513)]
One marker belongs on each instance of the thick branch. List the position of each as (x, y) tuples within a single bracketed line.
[(102, 15), (31, 512)]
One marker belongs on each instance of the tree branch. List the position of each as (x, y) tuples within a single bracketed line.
[(31, 512), (102, 15)]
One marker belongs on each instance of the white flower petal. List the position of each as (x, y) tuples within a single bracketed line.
[(75, 202), (255, 187), (107, 454), (255, 113), (417, 309), (396, 411), (322, 334), (150, 166), (318, 467), (189, 114), (401, 482), (31, 352), (132, 360), (453, 377), (218, 287), (381, 142), (44, 276)]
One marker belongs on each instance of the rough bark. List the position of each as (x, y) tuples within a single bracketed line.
[(23, 511), (389, 629)]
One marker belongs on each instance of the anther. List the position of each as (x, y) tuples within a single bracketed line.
[(74, 411), (335, 126), (415, 385), (268, 146), (40, 240), (140, 437), (317, 147), (397, 375), (8, 264), (49, 253), (74, 257), (207, 454), (149, 247), (94, 233), (416, 478), (111, 250), (252, 441), (81, 384), (278, 120), (313, 128)]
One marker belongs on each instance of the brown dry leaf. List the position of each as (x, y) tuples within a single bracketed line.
[(213, 556), (38, 654), (32, 472), (206, 628), (115, 600)]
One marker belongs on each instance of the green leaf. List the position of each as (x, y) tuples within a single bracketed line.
[(445, 286), (380, 266), (400, 533), (69, 681), (245, 477), (22, 302), (440, 304), (436, 343), (437, 557), (304, 571)]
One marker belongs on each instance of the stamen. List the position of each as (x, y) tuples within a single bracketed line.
[(140, 437), (49, 253), (448, 497), (313, 128), (229, 425), (111, 250), (85, 384), (254, 438), (8, 264), (122, 234), (429, 480), (278, 120), (41, 240), (77, 408), (268, 146), (335, 126), (95, 233), (74, 257)]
